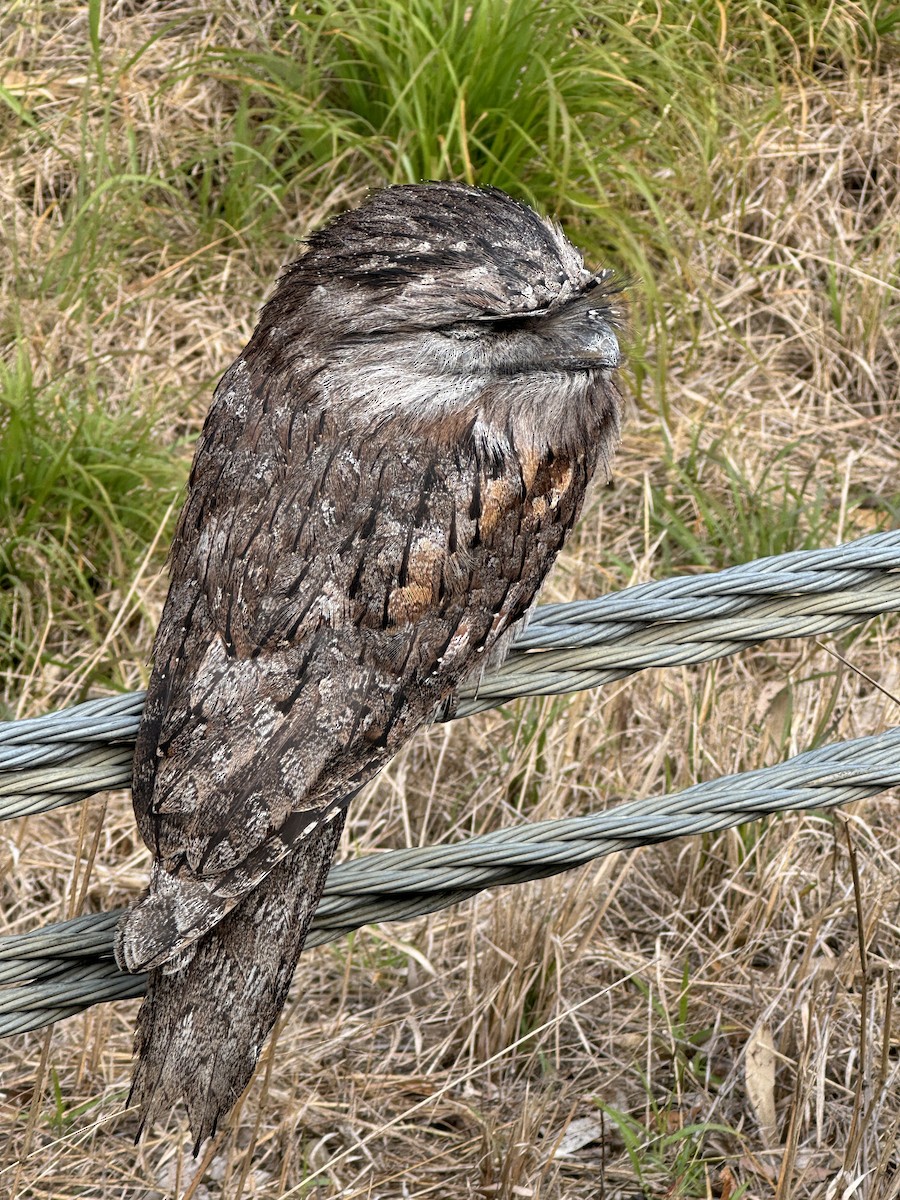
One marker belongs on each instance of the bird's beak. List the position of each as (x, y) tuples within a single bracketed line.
[(586, 327)]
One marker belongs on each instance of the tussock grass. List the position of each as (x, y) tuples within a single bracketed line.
[(83, 492), (715, 1017)]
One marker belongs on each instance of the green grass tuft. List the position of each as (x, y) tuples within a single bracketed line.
[(84, 487)]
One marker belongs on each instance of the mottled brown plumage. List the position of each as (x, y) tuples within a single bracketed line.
[(386, 475)]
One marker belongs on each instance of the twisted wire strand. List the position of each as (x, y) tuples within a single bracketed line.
[(67, 967), (60, 758)]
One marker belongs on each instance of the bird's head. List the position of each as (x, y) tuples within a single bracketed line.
[(432, 297)]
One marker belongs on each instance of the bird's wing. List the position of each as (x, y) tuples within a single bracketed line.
[(325, 597)]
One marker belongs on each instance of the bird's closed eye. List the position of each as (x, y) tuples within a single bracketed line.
[(476, 327)]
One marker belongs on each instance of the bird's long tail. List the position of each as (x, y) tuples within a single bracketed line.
[(201, 1028)]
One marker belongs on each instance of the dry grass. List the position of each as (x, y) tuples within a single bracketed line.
[(712, 1018)]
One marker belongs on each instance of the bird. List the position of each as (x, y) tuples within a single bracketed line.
[(386, 475)]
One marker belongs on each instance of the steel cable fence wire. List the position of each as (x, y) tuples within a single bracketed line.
[(49, 761), (769, 617), (57, 971), (88, 748)]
